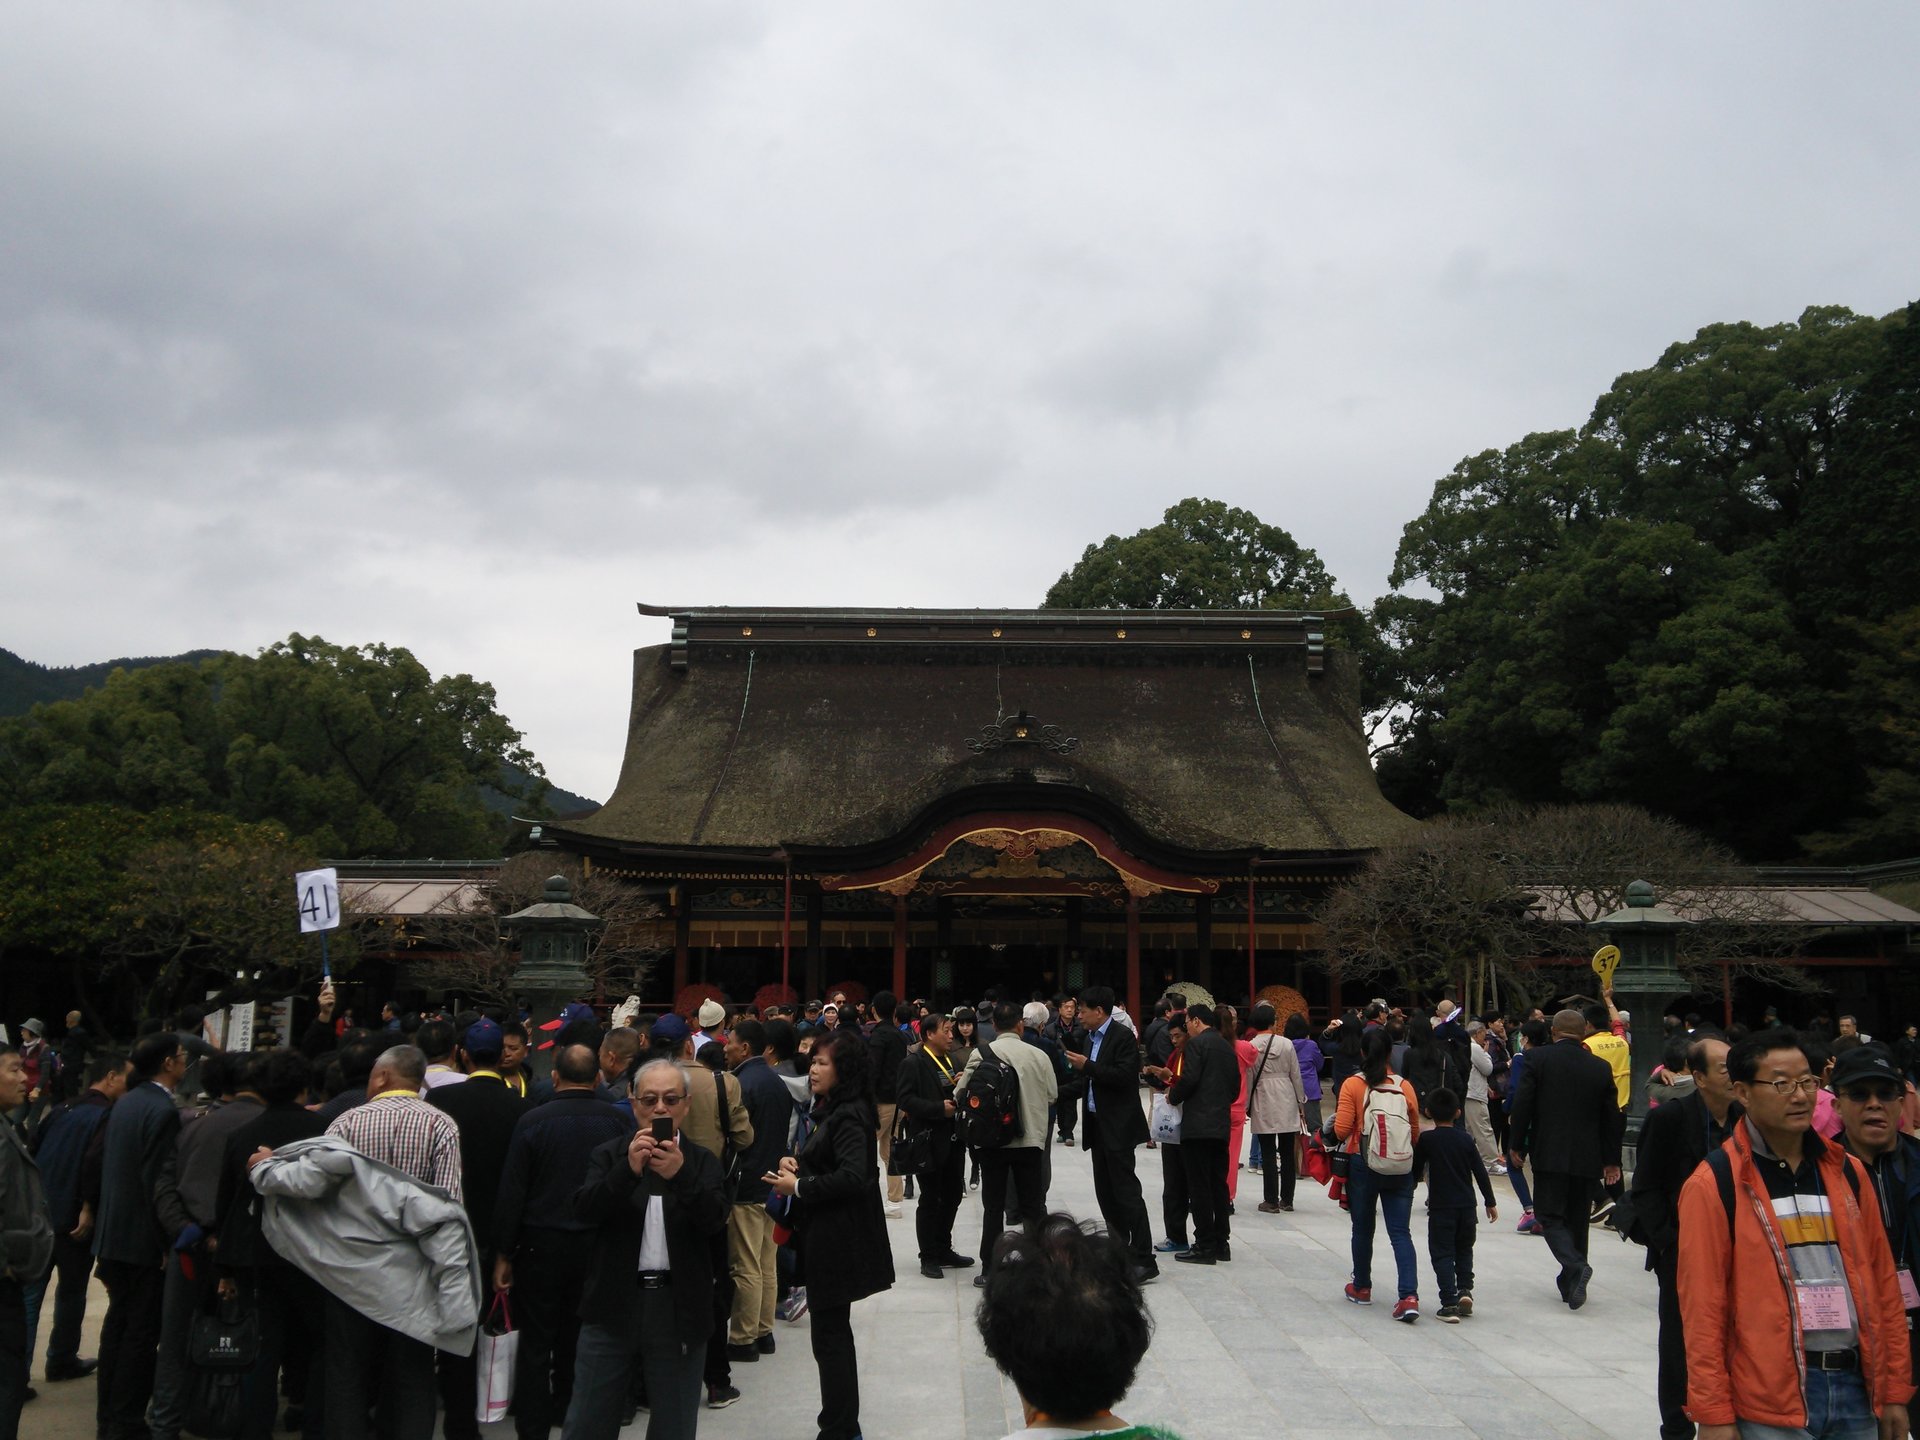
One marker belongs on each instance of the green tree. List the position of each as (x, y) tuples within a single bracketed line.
[(155, 909), (1203, 555), (356, 750), (1660, 607), (1206, 555)]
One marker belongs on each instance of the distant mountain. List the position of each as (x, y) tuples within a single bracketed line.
[(24, 684)]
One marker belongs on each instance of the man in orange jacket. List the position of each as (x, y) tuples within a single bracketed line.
[(1793, 1318)]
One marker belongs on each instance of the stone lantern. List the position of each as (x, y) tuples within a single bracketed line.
[(553, 948), (1647, 980)]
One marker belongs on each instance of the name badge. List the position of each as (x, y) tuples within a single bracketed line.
[(1824, 1307), (1909, 1292)]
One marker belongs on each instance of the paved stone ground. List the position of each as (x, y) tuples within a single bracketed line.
[(1264, 1346)]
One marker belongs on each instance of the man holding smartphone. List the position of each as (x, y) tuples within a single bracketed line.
[(656, 1202)]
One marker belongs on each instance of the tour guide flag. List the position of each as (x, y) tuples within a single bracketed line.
[(318, 892), (1605, 960)]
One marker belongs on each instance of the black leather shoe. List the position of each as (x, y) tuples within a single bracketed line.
[(744, 1353), (1146, 1274), (78, 1370), (1577, 1288), (1195, 1257), (979, 1282), (1223, 1254), (956, 1262), (764, 1344), (932, 1271)]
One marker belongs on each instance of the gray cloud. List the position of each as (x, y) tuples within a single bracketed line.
[(462, 327)]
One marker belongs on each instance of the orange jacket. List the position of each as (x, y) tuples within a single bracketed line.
[(1353, 1103), (1737, 1306)]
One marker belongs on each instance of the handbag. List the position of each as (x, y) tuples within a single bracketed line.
[(1164, 1120), (733, 1162), (493, 1361), (1337, 1156), (222, 1346), (911, 1151)]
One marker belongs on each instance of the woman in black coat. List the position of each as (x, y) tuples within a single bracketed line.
[(836, 1183)]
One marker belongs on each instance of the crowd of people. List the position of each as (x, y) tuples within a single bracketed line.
[(641, 1199)]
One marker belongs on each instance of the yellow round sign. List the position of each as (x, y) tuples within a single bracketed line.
[(1605, 960)]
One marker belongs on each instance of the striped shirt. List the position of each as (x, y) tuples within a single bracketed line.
[(404, 1131), (1805, 1217)]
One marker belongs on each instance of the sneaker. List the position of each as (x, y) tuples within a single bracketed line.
[(892, 1212), (1528, 1225), (1267, 1209), (1173, 1247), (795, 1305), (1464, 1305), (1496, 1168), (1448, 1314), (1601, 1211), (721, 1396), (1067, 1140), (1407, 1308), (1359, 1296)]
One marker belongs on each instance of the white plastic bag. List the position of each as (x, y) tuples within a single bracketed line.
[(1163, 1120), (499, 1345)]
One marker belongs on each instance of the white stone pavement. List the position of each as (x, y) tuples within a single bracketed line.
[(1264, 1346)]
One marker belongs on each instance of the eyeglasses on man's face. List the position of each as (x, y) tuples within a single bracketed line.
[(654, 1100), (1805, 1085)]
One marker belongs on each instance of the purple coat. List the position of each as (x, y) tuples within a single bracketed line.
[(1310, 1063)]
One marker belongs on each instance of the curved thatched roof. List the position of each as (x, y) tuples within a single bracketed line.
[(785, 736)]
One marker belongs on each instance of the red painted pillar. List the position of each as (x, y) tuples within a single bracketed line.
[(1133, 961), (786, 931), (899, 946), (682, 926), (1252, 990)]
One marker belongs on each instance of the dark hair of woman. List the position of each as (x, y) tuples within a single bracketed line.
[(1350, 1038), (1296, 1026), (852, 1069), (1374, 1057), (1063, 1316)]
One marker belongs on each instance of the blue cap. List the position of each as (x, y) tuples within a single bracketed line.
[(670, 1030), (484, 1036)]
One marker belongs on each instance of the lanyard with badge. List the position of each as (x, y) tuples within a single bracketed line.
[(1894, 1218), (1823, 1304)]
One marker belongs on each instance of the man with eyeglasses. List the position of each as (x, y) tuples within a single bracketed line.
[(1676, 1138), (1788, 1297), (657, 1203), (1869, 1087)]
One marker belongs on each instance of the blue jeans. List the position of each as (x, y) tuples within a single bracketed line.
[(1837, 1409), (1395, 1194)]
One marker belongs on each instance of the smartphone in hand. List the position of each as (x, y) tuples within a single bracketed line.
[(663, 1127)]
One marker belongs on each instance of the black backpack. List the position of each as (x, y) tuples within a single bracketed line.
[(990, 1114)]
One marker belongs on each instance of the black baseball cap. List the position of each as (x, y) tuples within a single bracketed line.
[(1865, 1063)]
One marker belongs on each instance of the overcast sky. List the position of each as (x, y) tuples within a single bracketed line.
[(465, 326)]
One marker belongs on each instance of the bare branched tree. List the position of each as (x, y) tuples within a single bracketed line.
[(473, 954), (1485, 898)]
